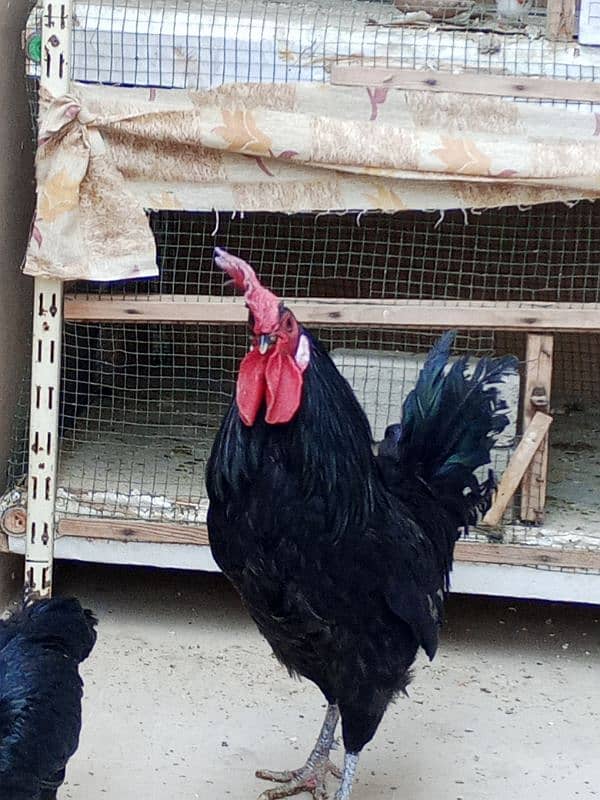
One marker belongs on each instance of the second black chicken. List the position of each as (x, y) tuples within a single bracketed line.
[(41, 647)]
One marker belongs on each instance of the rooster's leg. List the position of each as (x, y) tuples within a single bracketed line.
[(350, 764), (311, 777)]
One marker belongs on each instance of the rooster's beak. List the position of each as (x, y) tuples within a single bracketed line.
[(264, 342)]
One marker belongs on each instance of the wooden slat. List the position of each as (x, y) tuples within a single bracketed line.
[(560, 20), (472, 552), (134, 531), (466, 83), (519, 461), (538, 380), (345, 312), (183, 309), (519, 555)]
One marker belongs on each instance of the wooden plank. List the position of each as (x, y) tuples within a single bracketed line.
[(466, 83), (470, 552), (560, 20), (526, 555), (439, 10), (346, 312), (133, 531), (536, 397), (519, 461), (184, 309)]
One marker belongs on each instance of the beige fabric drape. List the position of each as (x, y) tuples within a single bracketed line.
[(106, 154)]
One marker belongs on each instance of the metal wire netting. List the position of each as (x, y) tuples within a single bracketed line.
[(549, 253), (141, 405), (196, 44)]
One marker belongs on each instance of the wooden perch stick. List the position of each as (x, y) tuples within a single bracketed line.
[(536, 396), (517, 466)]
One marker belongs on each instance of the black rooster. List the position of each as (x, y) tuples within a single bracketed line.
[(342, 557), (41, 647)]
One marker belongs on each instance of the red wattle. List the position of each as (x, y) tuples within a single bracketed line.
[(250, 389), (284, 388)]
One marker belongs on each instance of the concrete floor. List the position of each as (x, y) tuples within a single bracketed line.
[(183, 700)]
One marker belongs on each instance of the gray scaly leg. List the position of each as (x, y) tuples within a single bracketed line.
[(350, 764), (311, 777)]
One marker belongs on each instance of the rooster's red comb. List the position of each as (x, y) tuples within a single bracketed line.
[(263, 304)]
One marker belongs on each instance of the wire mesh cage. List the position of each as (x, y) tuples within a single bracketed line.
[(141, 405), (141, 402), (196, 44), (548, 253)]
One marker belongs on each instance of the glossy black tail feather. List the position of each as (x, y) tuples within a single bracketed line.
[(450, 422)]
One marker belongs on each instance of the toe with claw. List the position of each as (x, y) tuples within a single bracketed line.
[(312, 777), (307, 779)]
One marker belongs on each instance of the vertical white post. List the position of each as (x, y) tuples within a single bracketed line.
[(43, 433), (46, 345)]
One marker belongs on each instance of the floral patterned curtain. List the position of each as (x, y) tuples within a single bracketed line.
[(107, 154)]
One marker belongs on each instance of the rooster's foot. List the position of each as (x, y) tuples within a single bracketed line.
[(310, 779)]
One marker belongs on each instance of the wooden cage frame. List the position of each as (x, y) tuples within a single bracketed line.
[(538, 321)]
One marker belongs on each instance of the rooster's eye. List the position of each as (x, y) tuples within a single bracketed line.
[(288, 324)]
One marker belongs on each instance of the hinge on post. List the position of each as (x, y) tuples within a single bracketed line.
[(539, 399)]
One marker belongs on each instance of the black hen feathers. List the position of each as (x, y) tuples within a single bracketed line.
[(41, 647)]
